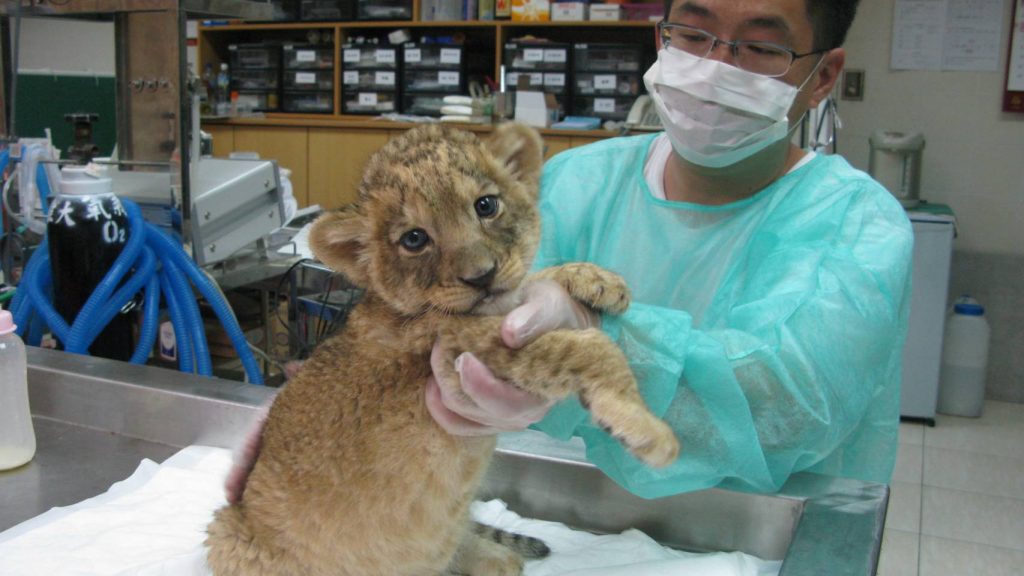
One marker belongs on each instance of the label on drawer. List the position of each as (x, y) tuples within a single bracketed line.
[(351, 55), (305, 56), (604, 81), (533, 54), (554, 55), (604, 105), (554, 79), (350, 77), (305, 77), (536, 78), (451, 55), (385, 56), (413, 55), (384, 78), (448, 78), (367, 98)]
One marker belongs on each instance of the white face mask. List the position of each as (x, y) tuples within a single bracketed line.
[(715, 114)]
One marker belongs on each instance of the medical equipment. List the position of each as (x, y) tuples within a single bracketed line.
[(87, 229), (895, 161), (173, 280)]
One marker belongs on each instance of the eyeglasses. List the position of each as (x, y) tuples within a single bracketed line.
[(764, 58)]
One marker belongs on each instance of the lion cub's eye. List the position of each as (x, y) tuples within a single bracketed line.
[(486, 206), (414, 240)]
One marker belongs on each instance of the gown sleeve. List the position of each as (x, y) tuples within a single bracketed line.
[(808, 352)]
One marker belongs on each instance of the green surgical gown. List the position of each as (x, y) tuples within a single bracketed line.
[(768, 332)]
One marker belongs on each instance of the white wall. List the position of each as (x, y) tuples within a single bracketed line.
[(974, 156), (76, 46)]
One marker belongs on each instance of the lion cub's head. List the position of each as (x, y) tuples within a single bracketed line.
[(444, 220)]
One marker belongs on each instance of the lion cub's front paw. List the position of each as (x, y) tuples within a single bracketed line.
[(596, 287)]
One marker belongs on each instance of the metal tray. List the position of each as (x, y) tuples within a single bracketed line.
[(96, 419)]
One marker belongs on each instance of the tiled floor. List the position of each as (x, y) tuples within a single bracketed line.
[(957, 502)]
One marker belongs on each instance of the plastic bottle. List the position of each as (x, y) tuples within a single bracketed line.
[(223, 90), (17, 438), (964, 360), (87, 228)]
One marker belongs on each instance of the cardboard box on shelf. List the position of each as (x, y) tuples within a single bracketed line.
[(568, 11), (605, 12), (531, 11)]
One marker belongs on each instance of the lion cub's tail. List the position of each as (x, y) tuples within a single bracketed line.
[(525, 546)]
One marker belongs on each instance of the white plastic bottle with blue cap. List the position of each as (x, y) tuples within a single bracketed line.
[(17, 438), (964, 360)]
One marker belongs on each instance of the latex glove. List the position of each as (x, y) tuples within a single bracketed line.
[(244, 458), (494, 405)]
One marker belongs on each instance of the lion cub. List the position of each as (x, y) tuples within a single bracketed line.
[(354, 477)]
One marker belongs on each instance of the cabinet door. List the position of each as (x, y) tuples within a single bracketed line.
[(336, 161), (288, 145), (223, 139)]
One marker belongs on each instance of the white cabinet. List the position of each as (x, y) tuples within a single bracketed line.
[(922, 354)]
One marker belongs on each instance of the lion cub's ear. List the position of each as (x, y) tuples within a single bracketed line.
[(520, 148), (338, 239)]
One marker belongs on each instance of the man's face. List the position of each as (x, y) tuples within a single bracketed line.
[(782, 22)]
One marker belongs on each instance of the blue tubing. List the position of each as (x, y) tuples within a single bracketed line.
[(182, 338), (150, 321), (146, 245), (43, 184), (113, 306), (165, 246), (193, 321)]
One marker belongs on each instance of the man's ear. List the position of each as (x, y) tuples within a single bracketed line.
[(520, 149), (828, 75), (338, 239)]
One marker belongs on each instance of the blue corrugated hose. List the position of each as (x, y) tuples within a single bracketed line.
[(158, 266)]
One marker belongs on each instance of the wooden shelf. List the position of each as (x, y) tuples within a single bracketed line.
[(245, 26), (366, 122)]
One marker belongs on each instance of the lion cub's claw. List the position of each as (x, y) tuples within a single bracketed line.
[(598, 288)]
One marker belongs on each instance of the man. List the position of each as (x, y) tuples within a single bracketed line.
[(770, 285)]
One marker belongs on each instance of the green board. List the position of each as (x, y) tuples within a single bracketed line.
[(44, 99)]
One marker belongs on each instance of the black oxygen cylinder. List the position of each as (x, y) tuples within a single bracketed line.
[(87, 228)]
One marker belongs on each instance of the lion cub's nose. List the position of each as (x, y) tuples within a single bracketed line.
[(483, 280)]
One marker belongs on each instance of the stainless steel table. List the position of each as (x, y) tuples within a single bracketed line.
[(96, 419)]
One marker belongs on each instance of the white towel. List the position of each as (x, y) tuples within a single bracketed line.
[(154, 524)]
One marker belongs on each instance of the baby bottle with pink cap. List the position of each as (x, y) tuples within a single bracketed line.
[(17, 438)]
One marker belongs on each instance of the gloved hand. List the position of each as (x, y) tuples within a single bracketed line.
[(496, 406)]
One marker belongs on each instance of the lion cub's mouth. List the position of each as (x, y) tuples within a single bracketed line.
[(495, 301)]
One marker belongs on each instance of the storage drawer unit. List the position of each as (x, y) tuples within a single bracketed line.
[(255, 72), (607, 78), (296, 57), (329, 10), (543, 67), (369, 79), (259, 79), (352, 80), (432, 56), (384, 9), (607, 107), (429, 73), (308, 102), (368, 102), (308, 78)]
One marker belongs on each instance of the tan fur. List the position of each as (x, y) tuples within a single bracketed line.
[(354, 477)]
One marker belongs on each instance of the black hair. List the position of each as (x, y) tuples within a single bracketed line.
[(831, 20)]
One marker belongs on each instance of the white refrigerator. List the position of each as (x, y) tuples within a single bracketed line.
[(922, 353)]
